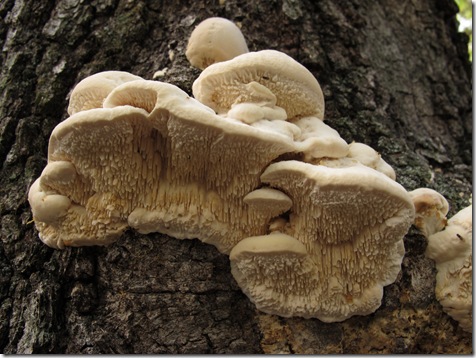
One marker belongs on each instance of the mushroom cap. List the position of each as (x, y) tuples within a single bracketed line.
[(59, 172), (297, 91), (155, 95), (340, 194), (47, 207), (270, 269), (351, 221), (91, 91), (430, 210), (463, 219), (454, 243), (250, 113), (83, 164), (364, 154), (452, 251), (268, 199), (273, 244), (214, 40), (207, 143)]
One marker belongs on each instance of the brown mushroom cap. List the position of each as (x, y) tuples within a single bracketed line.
[(297, 91), (351, 222), (215, 40)]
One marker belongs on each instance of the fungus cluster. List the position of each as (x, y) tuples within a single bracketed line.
[(313, 225), (450, 245)]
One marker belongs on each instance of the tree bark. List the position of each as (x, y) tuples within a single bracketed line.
[(395, 75)]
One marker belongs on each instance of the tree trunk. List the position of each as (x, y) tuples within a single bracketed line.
[(395, 75)]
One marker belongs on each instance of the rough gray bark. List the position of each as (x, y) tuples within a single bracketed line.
[(395, 75)]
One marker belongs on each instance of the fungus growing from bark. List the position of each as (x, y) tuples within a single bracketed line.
[(316, 239), (340, 246), (451, 249), (157, 160), (270, 90), (215, 40), (430, 210)]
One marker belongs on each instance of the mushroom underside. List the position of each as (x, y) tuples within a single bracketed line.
[(158, 168), (347, 243)]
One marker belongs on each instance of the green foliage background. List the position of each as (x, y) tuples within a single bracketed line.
[(465, 18)]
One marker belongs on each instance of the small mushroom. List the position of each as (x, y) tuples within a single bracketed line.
[(430, 208), (91, 92), (351, 223), (61, 173), (269, 200), (214, 40), (269, 90), (451, 249)]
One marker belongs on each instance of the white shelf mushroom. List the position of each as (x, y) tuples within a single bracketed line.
[(270, 90), (431, 208), (370, 158), (342, 243), (450, 246), (317, 239), (451, 249), (227, 83), (318, 140), (157, 160)]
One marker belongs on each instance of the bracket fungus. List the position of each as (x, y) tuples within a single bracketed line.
[(227, 83), (270, 90), (157, 160), (450, 245), (451, 249), (214, 40), (341, 245), (430, 210), (313, 225)]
